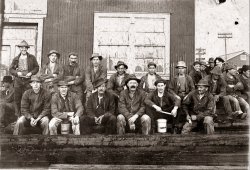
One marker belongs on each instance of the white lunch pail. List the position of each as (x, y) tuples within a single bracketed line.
[(65, 128), (161, 125)]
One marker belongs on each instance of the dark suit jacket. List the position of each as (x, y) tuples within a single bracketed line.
[(113, 85)]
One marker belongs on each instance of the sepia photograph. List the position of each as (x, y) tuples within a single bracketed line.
[(124, 84)]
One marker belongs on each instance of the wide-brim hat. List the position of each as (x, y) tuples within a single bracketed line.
[(220, 59), (203, 82), (36, 78), (96, 55), (216, 70), (119, 63), (196, 62), (69, 78), (54, 52), (211, 60), (160, 81), (7, 79), (151, 64), (203, 63), (100, 82), (23, 44), (245, 67), (62, 83), (181, 64), (132, 77)]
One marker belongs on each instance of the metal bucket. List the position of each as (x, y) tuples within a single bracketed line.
[(65, 127), (161, 125)]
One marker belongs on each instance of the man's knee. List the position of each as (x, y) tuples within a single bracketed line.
[(120, 118), (146, 119), (208, 120), (21, 120), (53, 124)]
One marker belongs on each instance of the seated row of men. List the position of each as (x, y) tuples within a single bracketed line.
[(137, 111)]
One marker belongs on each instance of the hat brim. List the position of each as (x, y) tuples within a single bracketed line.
[(24, 46), (157, 82), (125, 65), (207, 85), (180, 66), (133, 78), (58, 55), (100, 57)]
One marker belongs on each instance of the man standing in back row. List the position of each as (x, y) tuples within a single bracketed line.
[(22, 68)]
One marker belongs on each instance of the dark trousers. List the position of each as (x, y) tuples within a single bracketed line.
[(20, 86), (107, 126), (7, 113)]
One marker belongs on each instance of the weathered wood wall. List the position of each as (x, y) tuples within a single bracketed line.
[(69, 25)]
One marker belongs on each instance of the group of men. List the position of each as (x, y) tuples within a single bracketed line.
[(124, 103)]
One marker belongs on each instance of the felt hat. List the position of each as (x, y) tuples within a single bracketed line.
[(100, 82), (219, 59), (203, 63), (7, 79), (54, 52), (245, 67), (35, 78), (132, 77), (181, 64), (196, 62), (23, 44), (211, 60), (96, 55), (119, 63), (203, 82), (73, 53), (63, 83)]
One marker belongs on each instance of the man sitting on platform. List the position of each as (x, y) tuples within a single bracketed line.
[(131, 106), (35, 108), (162, 101), (100, 111), (65, 105), (199, 106)]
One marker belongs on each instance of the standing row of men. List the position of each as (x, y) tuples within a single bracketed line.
[(122, 104)]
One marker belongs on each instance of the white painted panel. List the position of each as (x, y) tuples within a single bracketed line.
[(108, 24), (149, 25), (113, 38), (150, 39)]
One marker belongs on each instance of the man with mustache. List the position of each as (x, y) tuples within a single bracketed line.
[(199, 106), (22, 68), (195, 73), (51, 73), (100, 111), (131, 106), (93, 73), (65, 105), (73, 74), (35, 108), (217, 88)]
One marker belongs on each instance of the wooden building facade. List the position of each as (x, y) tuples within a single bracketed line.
[(159, 30)]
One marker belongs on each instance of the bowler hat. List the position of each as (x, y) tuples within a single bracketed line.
[(216, 70), (181, 64), (160, 81), (203, 82), (96, 55), (54, 52), (119, 63), (196, 62), (62, 83), (35, 78), (99, 82), (151, 63), (23, 44), (230, 66), (7, 79), (211, 60), (132, 77)]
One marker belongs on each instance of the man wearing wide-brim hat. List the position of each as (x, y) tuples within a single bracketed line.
[(217, 88), (162, 100), (22, 68), (182, 84), (35, 108), (203, 67), (93, 73), (131, 108), (100, 111), (51, 72), (195, 72), (198, 107), (148, 80), (73, 73), (65, 105), (7, 107), (233, 91)]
